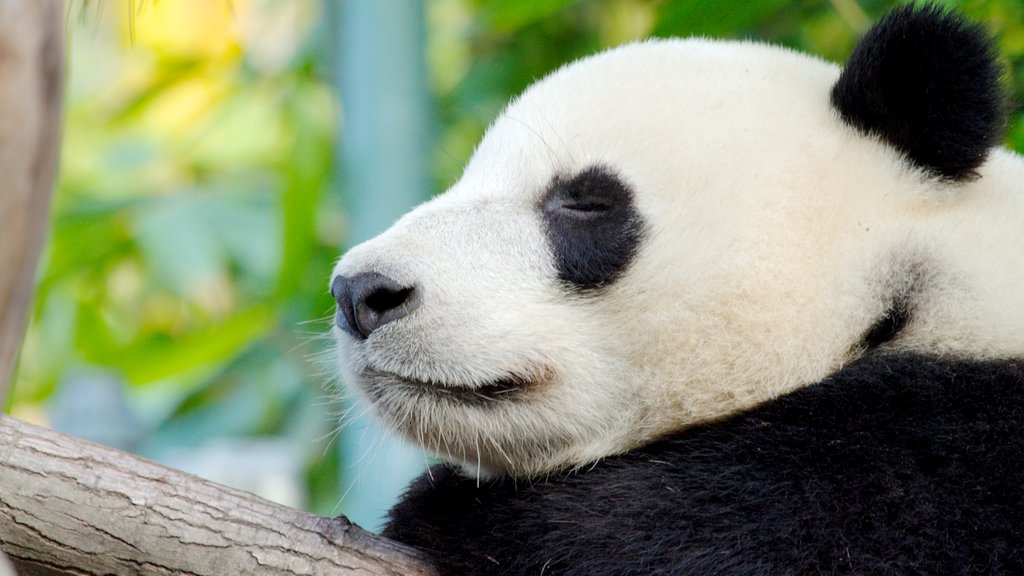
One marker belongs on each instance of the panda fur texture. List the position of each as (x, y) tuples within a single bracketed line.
[(714, 307), (897, 464)]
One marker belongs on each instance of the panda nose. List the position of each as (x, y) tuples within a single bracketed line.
[(370, 300)]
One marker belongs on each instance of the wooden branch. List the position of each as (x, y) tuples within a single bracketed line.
[(31, 83), (72, 507)]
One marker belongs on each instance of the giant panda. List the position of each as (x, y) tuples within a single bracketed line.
[(706, 307)]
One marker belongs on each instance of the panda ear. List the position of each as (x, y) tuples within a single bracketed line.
[(927, 82)]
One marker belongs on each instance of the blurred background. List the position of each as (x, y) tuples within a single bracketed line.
[(219, 156)]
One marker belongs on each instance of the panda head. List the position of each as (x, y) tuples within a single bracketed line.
[(675, 230)]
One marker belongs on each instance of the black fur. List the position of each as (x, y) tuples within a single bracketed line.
[(927, 82), (895, 465), (888, 327), (592, 226)]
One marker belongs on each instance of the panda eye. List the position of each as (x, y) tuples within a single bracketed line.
[(590, 193), (592, 227), (587, 206)]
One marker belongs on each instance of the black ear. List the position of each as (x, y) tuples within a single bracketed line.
[(927, 82)]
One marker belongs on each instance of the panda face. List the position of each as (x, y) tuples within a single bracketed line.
[(661, 235)]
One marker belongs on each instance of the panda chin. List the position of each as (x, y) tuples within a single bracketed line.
[(380, 384)]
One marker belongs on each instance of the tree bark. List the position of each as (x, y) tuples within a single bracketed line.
[(71, 507), (31, 82)]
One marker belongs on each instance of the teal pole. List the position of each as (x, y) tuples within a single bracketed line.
[(384, 171)]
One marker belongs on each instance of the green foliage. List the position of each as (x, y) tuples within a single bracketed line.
[(192, 232), (194, 224)]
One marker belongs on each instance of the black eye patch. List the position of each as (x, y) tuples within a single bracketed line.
[(592, 226)]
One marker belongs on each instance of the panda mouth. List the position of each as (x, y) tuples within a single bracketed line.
[(379, 384)]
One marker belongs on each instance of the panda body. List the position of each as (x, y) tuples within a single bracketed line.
[(897, 464), (653, 248)]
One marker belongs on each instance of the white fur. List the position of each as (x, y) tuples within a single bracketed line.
[(777, 236)]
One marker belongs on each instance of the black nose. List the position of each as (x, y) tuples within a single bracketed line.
[(370, 300)]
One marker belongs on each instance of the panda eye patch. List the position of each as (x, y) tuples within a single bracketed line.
[(592, 226)]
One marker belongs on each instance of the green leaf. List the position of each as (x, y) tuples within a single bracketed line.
[(306, 177), (156, 358), (723, 18), (509, 16)]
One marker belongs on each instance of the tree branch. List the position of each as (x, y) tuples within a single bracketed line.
[(31, 80), (72, 507)]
